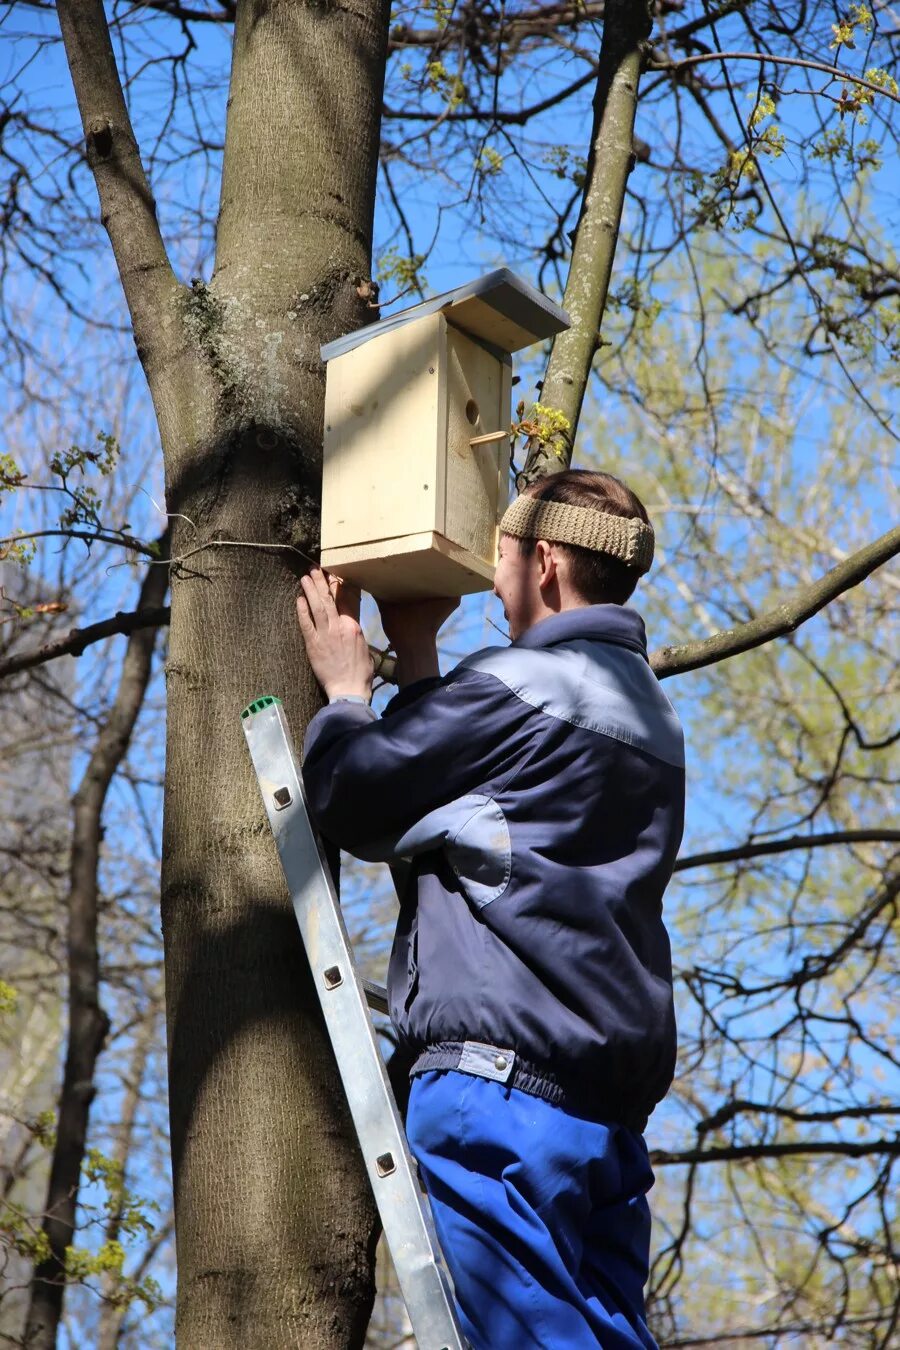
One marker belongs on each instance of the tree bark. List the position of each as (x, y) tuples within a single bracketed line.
[(626, 28), (87, 1022)]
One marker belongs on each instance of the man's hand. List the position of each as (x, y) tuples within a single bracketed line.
[(328, 613), (411, 627)]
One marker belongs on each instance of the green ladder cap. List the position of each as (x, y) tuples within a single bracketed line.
[(267, 701)]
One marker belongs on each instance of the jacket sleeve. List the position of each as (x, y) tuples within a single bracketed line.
[(368, 781)]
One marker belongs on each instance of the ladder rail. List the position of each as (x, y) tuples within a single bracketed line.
[(344, 997)]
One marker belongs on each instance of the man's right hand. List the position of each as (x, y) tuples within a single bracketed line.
[(406, 622), (411, 627)]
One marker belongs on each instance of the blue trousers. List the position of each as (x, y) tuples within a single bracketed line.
[(542, 1216)]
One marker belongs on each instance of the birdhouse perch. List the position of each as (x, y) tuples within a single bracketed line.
[(417, 416)]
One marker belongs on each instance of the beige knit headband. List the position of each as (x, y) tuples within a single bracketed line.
[(625, 538)]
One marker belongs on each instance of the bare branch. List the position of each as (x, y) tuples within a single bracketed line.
[(661, 1157), (763, 848), (730, 1339), (784, 619), (737, 1107), (128, 209), (89, 536), (764, 58), (496, 116), (77, 639)]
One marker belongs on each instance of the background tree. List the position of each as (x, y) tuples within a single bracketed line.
[(752, 306)]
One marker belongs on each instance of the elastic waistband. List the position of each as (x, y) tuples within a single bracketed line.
[(504, 1065)]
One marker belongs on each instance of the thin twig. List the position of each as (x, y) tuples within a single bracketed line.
[(764, 58)]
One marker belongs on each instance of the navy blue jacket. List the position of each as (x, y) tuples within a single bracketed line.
[(539, 791)]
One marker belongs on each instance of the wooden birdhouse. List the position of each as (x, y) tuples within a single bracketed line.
[(417, 416)]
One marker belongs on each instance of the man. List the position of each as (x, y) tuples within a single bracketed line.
[(539, 790)]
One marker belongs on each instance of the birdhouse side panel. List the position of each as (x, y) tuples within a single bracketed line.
[(385, 410), (476, 485)]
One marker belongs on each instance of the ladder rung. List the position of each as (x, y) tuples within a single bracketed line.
[(376, 996)]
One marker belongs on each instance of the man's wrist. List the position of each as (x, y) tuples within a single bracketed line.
[(338, 694)]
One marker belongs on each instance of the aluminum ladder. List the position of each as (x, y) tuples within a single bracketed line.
[(345, 1000)]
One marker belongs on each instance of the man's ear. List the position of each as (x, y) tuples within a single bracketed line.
[(546, 563)]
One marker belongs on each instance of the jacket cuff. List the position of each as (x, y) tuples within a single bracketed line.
[(335, 719)]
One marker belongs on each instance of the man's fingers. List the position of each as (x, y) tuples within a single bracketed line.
[(304, 618), (322, 584), (347, 597), (318, 597)]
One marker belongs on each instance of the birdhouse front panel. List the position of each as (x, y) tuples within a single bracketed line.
[(385, 403)]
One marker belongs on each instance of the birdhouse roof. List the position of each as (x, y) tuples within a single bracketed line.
[(499, 309)]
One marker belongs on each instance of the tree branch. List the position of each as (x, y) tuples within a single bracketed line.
[(772, 1334), (796, 841), (816, 965), (128, 210), (130, 621), (764, 58), (626, 27), (97, 536), (494, 115), (77, 639), (737, 1107), (748, 1152), (784, 619)]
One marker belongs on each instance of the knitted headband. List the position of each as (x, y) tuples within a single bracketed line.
[(625, 538)]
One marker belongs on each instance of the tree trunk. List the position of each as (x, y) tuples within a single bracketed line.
[(275, 1223), (87, 1022)]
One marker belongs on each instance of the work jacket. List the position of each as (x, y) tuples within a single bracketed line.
[(539, 791)]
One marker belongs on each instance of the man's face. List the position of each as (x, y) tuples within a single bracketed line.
[(516, 586)]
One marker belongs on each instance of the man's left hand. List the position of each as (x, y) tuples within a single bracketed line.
[(328, 614)]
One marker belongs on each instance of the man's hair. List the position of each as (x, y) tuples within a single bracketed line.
[(598, 578)]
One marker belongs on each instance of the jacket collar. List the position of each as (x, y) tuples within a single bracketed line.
[(591, 623)]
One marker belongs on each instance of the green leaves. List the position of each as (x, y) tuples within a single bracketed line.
[(488, 161), (85, 500), (404, 269), (118, 1210), (566, 165), (548, 426), (844, 31), (440, 80)]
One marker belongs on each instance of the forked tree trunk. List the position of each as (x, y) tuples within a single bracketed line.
[(275, 1223)]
